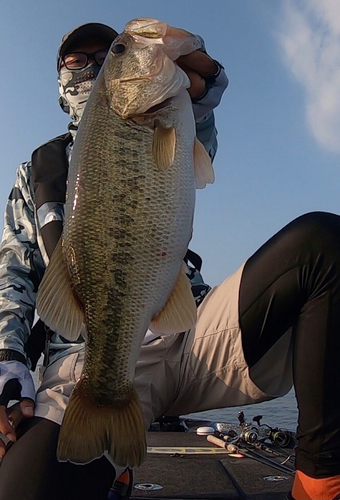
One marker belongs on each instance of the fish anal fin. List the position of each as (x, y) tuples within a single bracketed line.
[(56, 303), (89, 430), (180, 312), (164, 146), (204, 172)]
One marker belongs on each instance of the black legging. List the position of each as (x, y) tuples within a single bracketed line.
[(294, 281), (31, 471)]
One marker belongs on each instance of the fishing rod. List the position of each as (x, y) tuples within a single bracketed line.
[(248, 452), (288, 457), (268, 461), (241, 493), (249, 440)]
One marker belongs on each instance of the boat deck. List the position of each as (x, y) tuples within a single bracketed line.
[(185, 465)]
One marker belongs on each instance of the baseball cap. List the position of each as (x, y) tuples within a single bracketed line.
[(96, 31)]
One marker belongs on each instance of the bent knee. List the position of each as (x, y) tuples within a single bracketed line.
[(321, 229)]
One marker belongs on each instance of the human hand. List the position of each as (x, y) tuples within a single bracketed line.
[(198, 66), (16, 383)]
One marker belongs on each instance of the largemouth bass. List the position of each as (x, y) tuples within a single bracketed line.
[(118, 267)]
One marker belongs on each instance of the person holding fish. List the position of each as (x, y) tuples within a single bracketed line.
[(37, 206), (96, 238)]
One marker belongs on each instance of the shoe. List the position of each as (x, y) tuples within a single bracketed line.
[(289, 497), (122, 487)]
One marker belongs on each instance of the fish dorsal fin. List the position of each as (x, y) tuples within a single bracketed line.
[(56, 303), (164, 146), (179, 313), (204, 172)]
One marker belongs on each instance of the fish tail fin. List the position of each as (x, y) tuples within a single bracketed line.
[(89, 430)]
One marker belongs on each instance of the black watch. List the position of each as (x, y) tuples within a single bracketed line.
[(210, 79)]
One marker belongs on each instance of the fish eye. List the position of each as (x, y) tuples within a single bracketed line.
[(118, 48)]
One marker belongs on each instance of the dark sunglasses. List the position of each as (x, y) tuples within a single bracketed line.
[(79, 60)]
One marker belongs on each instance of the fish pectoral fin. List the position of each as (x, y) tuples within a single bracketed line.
[(56, 303), (164, 146), (89, 430), (180, 312), (204, 172)]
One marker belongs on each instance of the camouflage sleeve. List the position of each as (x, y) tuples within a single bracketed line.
[(21, 269)]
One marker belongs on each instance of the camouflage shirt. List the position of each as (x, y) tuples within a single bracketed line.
[(21, 264)]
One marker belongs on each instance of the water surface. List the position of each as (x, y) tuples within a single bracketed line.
[(280, 412)]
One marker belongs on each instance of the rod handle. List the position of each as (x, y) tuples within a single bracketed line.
[(222, 444)]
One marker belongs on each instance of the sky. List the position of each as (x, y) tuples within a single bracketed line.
[(278, 122)]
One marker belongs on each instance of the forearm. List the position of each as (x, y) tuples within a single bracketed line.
[(215, 85)]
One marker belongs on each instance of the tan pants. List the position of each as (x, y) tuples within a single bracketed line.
[(177, 374)]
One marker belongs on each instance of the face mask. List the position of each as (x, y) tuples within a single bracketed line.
[(74, 89)]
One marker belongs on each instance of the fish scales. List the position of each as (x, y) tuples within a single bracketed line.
[(128, 221), (132, 213)]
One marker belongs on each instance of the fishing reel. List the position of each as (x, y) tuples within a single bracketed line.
[(253, 435), (279, 437), (244, 431), (282, 438), (249, 433), (250, 436)]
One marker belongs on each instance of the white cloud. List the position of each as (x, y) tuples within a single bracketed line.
[(310, 39)]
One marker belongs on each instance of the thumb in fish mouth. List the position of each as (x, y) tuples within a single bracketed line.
[(176, 41), (179, 42), (177, 32), (153, 28)]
